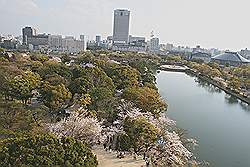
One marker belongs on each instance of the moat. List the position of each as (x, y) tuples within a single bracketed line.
[(217, 120)]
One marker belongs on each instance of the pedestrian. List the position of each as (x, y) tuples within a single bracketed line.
[(147, 163), (110, 148), (104, 145)]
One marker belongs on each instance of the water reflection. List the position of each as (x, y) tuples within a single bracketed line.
[(231, 99), (209, 87)]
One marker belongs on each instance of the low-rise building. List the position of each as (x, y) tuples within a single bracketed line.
[(39, 40), (72, 45), (55, 42), (201, 56), (230, 58)]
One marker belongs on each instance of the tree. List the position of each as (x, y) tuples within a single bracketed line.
[(90, 78), (81, 85), (164, 148), (39, 57), (234, 82), (103, 102), (98, 78), (53, 67), (170, 151), (21, 86), (55, 79), (15, 118), (214, 65), (55, 97), (86, 57), (173, 59), (80, 127), (45, 150), (101, 97), (123, 76), (149, 79), (215, 73), (141, 133), (144, 65), (35, 65), (7, 73), (3, 59), (145, 98), (2, 51), (66, 58)]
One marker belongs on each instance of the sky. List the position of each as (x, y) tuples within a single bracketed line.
[(223, 24)]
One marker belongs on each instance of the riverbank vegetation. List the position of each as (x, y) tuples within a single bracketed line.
[(72, 103), (233, 78)]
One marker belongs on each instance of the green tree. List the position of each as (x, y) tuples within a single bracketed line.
[(145, 98), (21, 86), (15, 119), (39, 57), (45, 150), (53, 67), (215, 73), (123, 76), (81, 85), (104, 102), (66, 58), (35, 65), (234, 82), (90, 78), (55, 97), (142, 134), (86, 57), (2, 51)]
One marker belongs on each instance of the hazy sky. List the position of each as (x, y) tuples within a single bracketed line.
[(222, 24)]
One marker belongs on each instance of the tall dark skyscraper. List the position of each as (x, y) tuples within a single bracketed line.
[(28, 32), (121, 26)]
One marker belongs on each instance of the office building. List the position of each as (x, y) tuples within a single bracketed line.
[(70, 44), (169, 47), (137, 41), (121, 27), (55, 42), (154, 44), (82, 38), (28, 32), (38, 40), (98, 39)]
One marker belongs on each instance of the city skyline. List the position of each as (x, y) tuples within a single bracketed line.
[(210, 24)]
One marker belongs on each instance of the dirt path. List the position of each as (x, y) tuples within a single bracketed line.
[(107, 159)]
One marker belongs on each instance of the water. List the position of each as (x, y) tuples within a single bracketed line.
[(219, 122)]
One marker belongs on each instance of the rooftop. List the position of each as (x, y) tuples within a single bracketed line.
[(231, 56)]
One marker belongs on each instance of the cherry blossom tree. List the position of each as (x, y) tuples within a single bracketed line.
[(80, 127), (170, 148)]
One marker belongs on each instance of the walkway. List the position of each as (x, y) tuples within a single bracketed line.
[(107, 159)]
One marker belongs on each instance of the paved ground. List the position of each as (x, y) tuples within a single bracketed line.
[(107, 159)]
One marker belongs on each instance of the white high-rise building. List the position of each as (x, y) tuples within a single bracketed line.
[(121, 26)]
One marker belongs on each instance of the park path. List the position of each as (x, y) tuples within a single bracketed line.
[(109, 159)]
